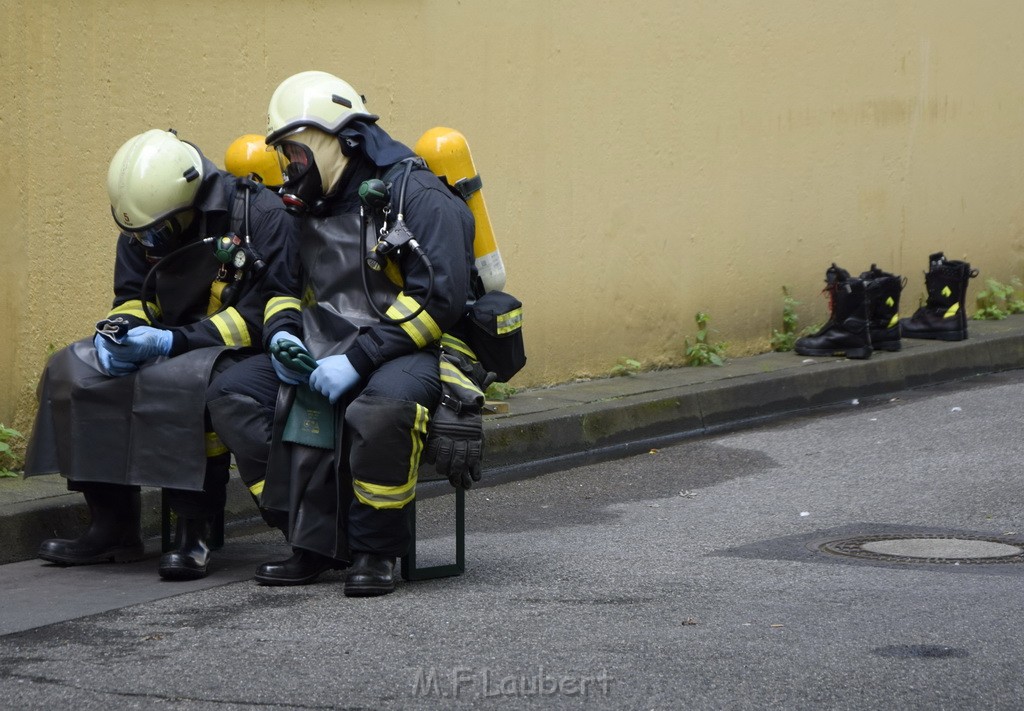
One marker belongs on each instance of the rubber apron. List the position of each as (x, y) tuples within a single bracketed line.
[(146, 428), (314, 484)]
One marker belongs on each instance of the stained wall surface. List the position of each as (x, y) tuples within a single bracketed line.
[(641, 161)]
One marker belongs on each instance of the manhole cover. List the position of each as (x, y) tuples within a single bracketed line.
[(929, 548)]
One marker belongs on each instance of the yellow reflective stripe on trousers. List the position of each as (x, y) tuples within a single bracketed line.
[(134, 308), (277, 304), (422, 329), (381, 496), (214, 446), (257, 488), (232, 328)]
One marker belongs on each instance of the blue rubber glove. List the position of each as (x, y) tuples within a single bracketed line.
[(284, 373), (143, 343), (109, 361), (333, 377)]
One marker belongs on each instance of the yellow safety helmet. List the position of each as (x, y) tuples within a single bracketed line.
[(316, 99), (152, 180), (248, 155)]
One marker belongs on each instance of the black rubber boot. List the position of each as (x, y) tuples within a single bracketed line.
[(370, 575), (113, 533), (883, 295), (303, 568), (846, 332), (944, 315), (190, 560)]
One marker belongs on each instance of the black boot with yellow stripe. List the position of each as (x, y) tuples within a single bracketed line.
[(883, 296), (943, 316)]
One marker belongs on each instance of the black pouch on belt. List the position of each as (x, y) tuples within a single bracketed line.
[(493, 328)]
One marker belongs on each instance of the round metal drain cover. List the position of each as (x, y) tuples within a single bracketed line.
[(929, 548)]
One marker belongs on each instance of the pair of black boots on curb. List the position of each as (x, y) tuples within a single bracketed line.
[(114, 535), (368, 575), (864, 310)]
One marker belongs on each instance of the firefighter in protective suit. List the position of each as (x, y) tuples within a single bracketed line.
[(126, 407), (344, 447)]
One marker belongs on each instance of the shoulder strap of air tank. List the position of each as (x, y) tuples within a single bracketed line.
[(403, 167), (241, 193), (392, 173)]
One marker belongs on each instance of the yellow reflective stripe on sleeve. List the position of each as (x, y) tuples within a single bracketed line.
[(277, 304), (382, 496), (257, 488), (422, 329), (951, 311), (232, 328), (450, 342), (511, 321), (214, 446), (134, 308)]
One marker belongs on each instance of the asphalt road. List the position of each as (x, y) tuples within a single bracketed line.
[(690, 577)]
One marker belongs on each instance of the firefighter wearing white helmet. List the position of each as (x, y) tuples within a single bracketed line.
[(126, 407), (306, 113), (152, 182), (373, 336), (248, 155)]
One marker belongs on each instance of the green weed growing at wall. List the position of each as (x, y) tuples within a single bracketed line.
[(10, 463), (702, 351), (998, 300)]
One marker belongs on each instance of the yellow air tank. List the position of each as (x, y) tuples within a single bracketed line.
[(447, 155)]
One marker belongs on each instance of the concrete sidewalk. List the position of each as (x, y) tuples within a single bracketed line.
[(551, 428)]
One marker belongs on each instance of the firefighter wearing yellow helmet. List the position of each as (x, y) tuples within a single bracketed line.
[(125, 408), (374, 337)]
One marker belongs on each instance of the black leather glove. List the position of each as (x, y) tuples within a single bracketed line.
[(455, 445), (455, 436)]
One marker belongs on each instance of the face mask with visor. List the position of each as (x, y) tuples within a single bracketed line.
[(163, 234), (303, 188)]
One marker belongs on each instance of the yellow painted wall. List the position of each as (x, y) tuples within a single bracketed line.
[(642, 161)]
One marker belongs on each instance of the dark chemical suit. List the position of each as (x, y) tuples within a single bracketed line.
[(148, 427), (348, 475)]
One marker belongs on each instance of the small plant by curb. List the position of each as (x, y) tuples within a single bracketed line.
[(499, 391), (785, 339), (626, 366), (10, 463), (703, 352), (998, 300)]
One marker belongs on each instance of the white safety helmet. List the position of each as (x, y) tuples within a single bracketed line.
[(316, 99), (152, 179)]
